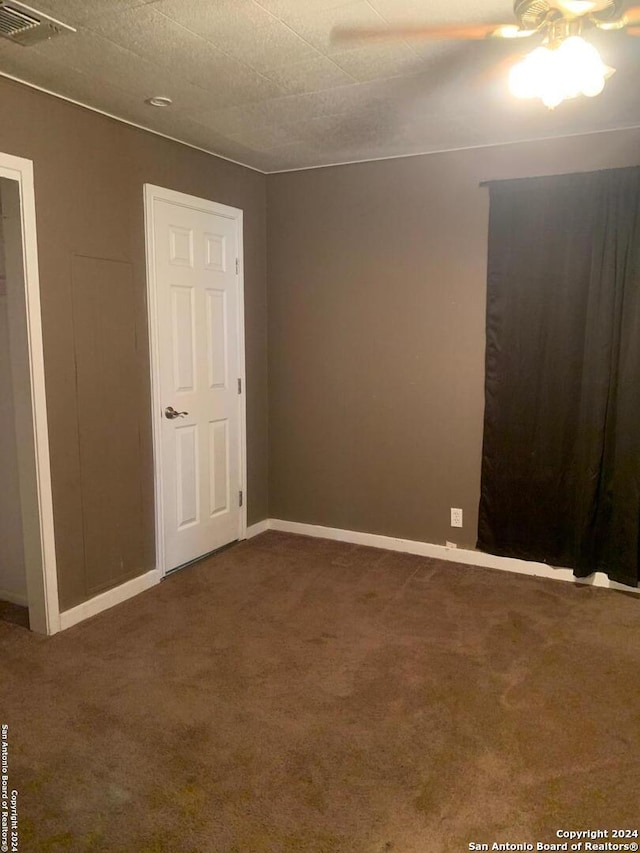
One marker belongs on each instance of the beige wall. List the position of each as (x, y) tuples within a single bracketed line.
[(376, 333), (89, 175), (13, 584), (376, 326)]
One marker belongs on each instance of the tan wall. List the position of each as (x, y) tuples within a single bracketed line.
[(377, 277), (13, 582), (89, 176)]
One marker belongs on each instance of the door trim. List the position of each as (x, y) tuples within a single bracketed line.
[(42, 577), (151, 194)]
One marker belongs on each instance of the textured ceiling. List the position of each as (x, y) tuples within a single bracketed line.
[(259, 82)]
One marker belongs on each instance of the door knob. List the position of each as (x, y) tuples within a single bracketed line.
[(171, 413)]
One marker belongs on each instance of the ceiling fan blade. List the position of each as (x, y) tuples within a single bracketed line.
[(632, 17), (453, 33)]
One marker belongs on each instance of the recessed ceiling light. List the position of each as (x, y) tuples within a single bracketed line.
[(159, 101)]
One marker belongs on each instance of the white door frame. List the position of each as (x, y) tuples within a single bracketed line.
[(151, 194), (42, 578)]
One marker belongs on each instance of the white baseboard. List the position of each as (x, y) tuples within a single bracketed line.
[(258, 528), (126, 590), (108, 599), (14, 598), (441, 552), (408, 546)]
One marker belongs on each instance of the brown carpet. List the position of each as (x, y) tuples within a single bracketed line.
[(14, 613), (293, 694)]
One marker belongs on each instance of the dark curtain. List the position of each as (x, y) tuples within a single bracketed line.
[(561, 452)]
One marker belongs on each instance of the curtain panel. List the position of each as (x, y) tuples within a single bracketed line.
[(561, 449)]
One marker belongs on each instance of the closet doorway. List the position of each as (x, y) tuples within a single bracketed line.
[(28, 581)]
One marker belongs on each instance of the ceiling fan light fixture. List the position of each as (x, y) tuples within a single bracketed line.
[(580, 7), (572, 68)]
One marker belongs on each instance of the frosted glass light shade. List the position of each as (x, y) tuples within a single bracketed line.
[(555, 74)]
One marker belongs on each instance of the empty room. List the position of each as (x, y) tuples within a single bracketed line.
[(320, 409)]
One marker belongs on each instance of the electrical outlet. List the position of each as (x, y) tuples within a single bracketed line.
[(456, 517), (448, 544)]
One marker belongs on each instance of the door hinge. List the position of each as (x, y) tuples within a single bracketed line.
[(240, 497), (239, 385), (237, 265)]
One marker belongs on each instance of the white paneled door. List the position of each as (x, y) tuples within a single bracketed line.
[(195, 304)]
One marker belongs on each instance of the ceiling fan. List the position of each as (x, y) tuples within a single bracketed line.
[(562, 65)]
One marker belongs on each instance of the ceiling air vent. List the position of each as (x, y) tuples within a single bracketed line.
[(25, 26)]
